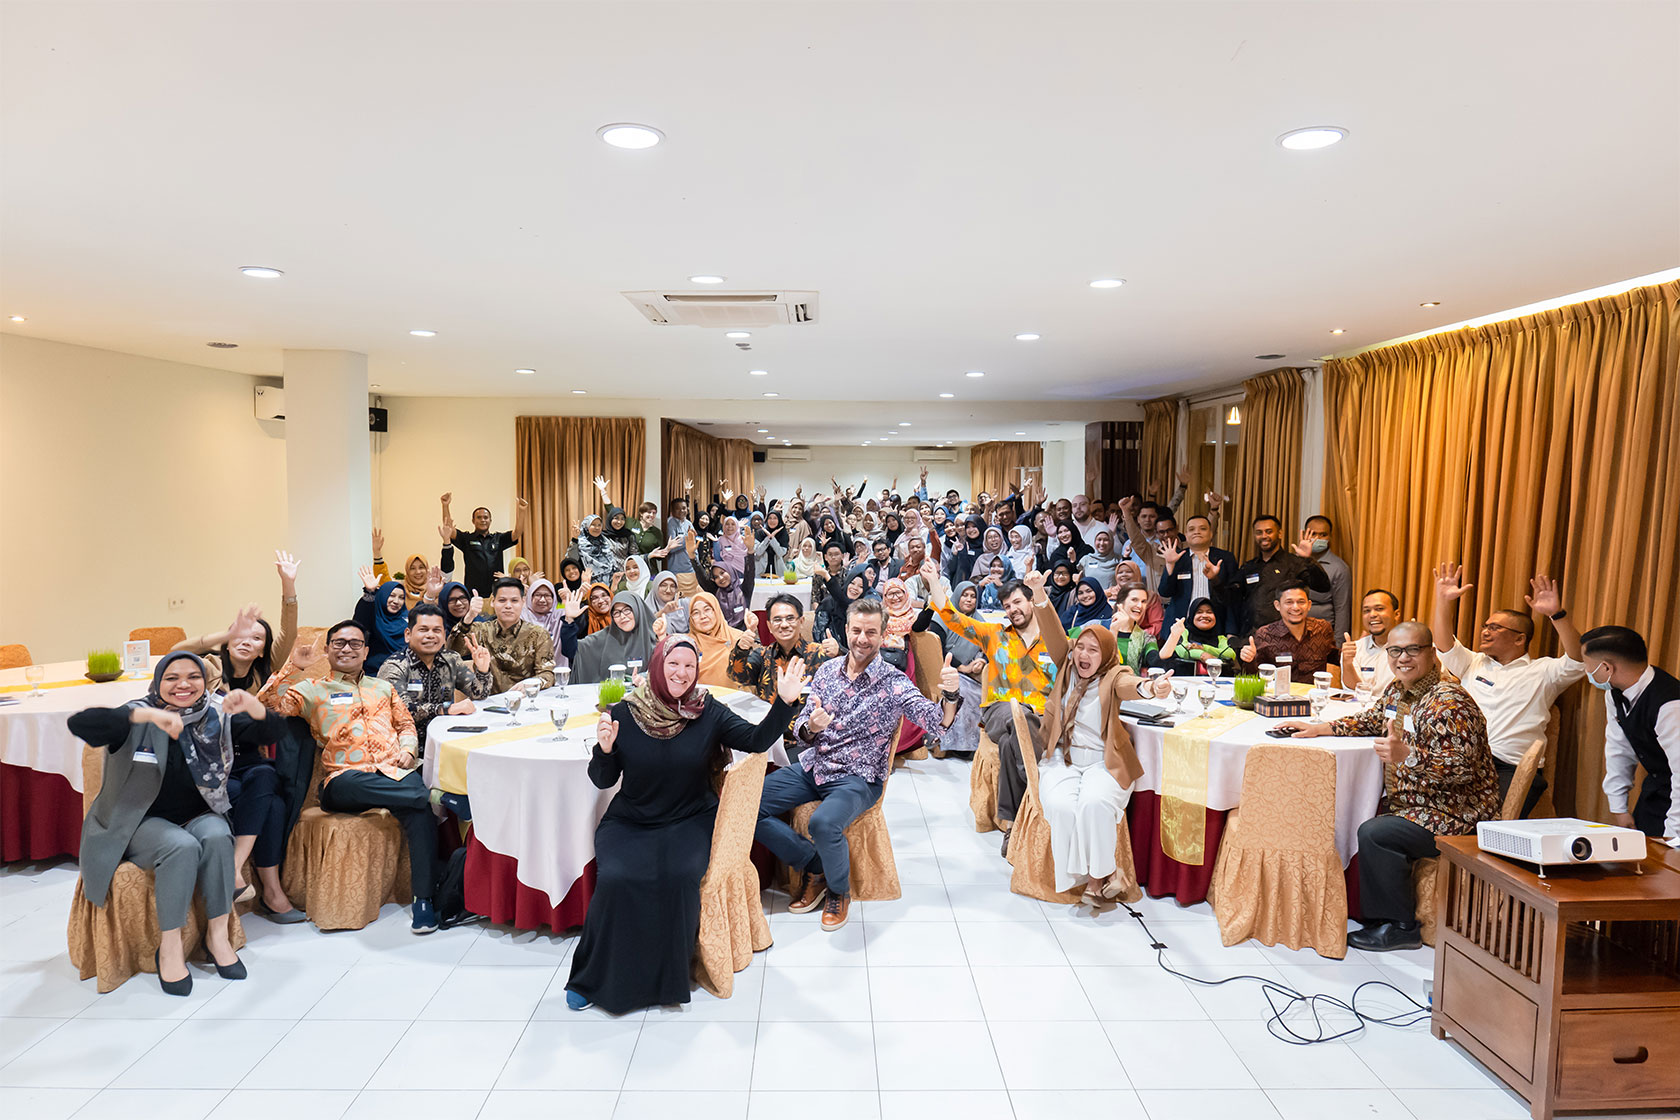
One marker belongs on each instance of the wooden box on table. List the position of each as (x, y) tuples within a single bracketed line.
[(1567, 987)]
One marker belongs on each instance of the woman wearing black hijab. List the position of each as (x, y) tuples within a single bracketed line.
[(960, 559), (1063, 578)]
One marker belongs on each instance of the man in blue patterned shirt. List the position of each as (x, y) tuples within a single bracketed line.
[(847, 726)]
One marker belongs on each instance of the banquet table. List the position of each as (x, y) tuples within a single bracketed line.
[(41, 762), (1359, 785), (530, 856)]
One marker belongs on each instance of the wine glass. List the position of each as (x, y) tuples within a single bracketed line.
[(1366, 684), (1180, 689), (563, 675), (1204, 693), (1213, 665), (35, 674), (558, 713), (1318, 699), (515, 701)]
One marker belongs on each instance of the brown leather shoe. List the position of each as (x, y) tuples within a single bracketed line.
[(835, 912), (810, 896)]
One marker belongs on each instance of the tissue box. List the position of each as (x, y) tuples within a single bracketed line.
[(1282, 707)]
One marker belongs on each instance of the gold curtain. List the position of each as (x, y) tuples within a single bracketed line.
[(995, 467), (1268, 476), (736, 459), (1160, 429), (690, 454), (556, 459), (1548, 444)]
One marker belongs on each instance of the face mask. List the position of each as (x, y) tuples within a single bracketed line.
[(1320, 547), (1602, 686)]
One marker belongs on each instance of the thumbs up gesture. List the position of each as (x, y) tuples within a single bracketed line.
[(948, 676), (821, 717), (1392, 746), (1349, 647), (1249, 653)]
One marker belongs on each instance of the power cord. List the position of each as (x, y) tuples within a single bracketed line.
[(1274, 991)]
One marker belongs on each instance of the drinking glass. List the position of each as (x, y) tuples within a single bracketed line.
[(558, 713), (563, 674), (1204, 693), (1321, 679), (616, 672), (1366, 684), (1318, 699), (515, 701), (1213, 665), (1180, 689), (35, 674)]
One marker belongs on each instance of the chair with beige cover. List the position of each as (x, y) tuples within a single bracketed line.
[(732, 922), (15, 656), (1424, 871), (983, 785), (874, 871), (1029, 842), (119, 939), (929, 658), (1277, 877), (341, 868), (163, 638)]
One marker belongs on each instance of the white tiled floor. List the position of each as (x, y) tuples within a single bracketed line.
[(959, 997)]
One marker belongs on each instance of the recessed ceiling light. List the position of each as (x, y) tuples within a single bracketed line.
[(375, 385), (865, 443), (737, 334), (707, 279), (904, 423), (223, 345), (947, 396), (19, 319), (787, 443), (764, 431), (758, 372), (772, 394), (1338, 330), (976, 373), (1027, 336), (632, 136), (525, 371), (1430, 303), (423, 334), (579, 392), (1107, 282), (261, 272), (1308, 139), (1020, 433), (1267, 357)]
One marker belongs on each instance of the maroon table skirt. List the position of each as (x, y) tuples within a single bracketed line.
[(1162, 876), (40, 815), (494, 890)]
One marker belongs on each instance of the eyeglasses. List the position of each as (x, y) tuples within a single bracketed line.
[(346, 643), (1395, 653), (1486, 626)]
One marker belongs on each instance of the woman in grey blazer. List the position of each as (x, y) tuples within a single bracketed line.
[(163, 803)]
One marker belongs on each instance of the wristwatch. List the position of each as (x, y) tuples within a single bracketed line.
[(1562, 612)]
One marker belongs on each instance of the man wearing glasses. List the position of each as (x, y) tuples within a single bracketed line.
[(369, 749), (1434, 741), (1515, 691)]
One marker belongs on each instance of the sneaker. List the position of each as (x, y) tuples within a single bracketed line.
[(425, 916), (810, 895), (576, 1001), (835, 912)]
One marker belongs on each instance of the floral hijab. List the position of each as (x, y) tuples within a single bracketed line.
[(206, 735)]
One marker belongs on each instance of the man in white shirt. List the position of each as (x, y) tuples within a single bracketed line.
[(1087, 525), (1514, 691), (1366, 658), (1642, 726)]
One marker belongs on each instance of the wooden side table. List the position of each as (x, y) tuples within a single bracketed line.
[(1567, 987)]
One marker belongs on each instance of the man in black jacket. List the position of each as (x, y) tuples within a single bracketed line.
[(1254, 590)]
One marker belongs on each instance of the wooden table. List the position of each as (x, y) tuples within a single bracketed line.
[(1567, 987)]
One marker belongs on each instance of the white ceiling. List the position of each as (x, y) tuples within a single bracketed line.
[(944, 174)]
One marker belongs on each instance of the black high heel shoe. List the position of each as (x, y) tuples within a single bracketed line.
[(234, 971), (181, 987)]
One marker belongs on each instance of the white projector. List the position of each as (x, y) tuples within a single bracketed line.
[(1560, 840)]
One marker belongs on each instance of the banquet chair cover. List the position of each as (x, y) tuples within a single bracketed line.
[(732, 922), (15, 656), (927, 657), (1029, 841), (1277, 877), (874, 872), (163, 638), (341, 867), (119, 939), (983, 785)]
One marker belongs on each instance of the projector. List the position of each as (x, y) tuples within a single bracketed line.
[(1560, 840)]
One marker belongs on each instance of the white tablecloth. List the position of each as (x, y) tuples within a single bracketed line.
[(35, 732), (765, 588), (1359, 772), (532, 799)]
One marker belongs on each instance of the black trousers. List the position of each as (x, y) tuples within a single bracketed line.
[(999, 723), (259, 810), (352, 791), (1506, 772), (1387, 848)]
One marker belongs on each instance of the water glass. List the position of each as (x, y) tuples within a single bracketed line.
[(1366, 685), (615, 672), (35, 674), (1213, 666), (1205, 693), (1180, 689), (515, 701), (1318, 699), (558, 713), (563, 675)]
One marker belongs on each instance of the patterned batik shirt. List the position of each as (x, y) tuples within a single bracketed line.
[(866, 712), (1014, 670), (429, 693), (518, 654), (1447, 783), (359, 721), (1317, 650), (755, 668)]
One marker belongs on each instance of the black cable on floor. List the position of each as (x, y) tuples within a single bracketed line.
[(1274, 991)]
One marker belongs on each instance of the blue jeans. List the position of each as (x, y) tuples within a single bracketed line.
[(825, 853)]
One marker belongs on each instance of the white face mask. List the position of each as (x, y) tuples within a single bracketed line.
[(1604, 685)]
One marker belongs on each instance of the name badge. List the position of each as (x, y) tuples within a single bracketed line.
[(1184, 575), (1484, 680), (414, 687), (1252, 579), (1407, 724), (146, 755), (1390, 711), (339, 697)]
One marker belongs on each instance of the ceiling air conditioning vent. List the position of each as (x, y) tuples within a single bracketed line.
[(726, 309), (933, 455), (787, 455)]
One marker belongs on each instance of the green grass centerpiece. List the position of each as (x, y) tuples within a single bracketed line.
[(104, 665), (1246, 690)]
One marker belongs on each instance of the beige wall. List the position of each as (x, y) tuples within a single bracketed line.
[(125, 482)]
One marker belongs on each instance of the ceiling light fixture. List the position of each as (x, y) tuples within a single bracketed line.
[(579, 392), (707, 279), (261, 272), (1311, 139), (1430, 303), (633, 137), (527, 372), (947, 396), (1107, 282), (1235, 417), (1338, 330), (1027, 336), (787, 443), (758, 373), (772, 394), (737, 334), (19, 319), (976, 373), (375, 385), (423, 334), (1020, 433), (904, 423)]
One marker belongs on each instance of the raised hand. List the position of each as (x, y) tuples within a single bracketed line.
[(745, 641), (948, 676), (378, 543), (1249, 653), (477, 607), (1303, 548), (239, 701), (447, 531), (791, 680), (434, 584), (370, 582), (169, 722), (1169, 555), (1214, 499), (286, 564), (1543, 597), (601, 485), (245, 622), (1034, 579), (821, 717), (1183, 476), (973, 667), (521, 504), (1210, 570), (727, 493), (688, 486), (606, 732), (1350, 648), (1449, 582), (480, 655), (1161, 687), (830, 647), (929, 571), (1128, 506), (573, 604), (308, 656), (1392, 746)]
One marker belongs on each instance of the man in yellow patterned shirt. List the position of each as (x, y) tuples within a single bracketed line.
[(368, 747), (1018, 667)]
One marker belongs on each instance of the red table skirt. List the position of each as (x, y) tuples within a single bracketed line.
[(1162, 876), (494, 890), (40, 815)]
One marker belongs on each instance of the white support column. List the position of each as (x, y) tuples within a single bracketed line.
[(1312, 444), (653, 460), (328, 478)]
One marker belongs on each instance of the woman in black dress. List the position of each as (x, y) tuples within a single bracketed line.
[(666, 741)]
